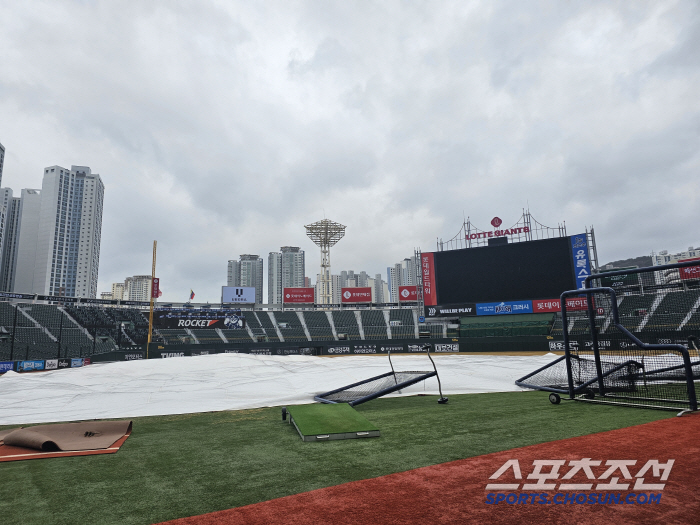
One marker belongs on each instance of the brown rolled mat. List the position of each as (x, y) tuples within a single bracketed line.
[(89, 435)]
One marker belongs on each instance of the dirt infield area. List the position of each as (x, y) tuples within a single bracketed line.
[(647, 474)]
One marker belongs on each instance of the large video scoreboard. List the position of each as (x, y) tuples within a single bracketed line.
[(516, 273)]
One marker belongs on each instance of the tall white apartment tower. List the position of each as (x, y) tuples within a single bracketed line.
[(59, 248), (233, 277), (293, 267), (10, 243), (252, 274), (285, 269), (274, 278)]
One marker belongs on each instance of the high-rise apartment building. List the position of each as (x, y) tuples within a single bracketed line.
[(233, 277), (136, 288), (5, 205), (274, 278), (247, 271), (59, 234), (285, 269), (28, 225), (118, 291), (403, 273), (10, 239)]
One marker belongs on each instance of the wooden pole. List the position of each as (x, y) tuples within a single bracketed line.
[(150, 315)]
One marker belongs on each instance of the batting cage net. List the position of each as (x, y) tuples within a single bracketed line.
[(631, 339), (385, 383)]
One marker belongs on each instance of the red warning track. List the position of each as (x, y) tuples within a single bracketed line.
[(455, 492)]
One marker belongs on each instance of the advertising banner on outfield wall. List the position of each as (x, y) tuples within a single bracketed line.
[(451, 310), (356, 295), (689, 272), (408, 293), (199, 319), (429, 289), (234, 294), (298, 295), (6, 366), (554, 305), (504, 308)]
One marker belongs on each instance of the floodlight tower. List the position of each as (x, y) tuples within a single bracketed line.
[(325, 234)]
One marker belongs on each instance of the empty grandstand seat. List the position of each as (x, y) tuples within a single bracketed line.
[(346, 323), (290, 326), (318, 325), (373, 324)]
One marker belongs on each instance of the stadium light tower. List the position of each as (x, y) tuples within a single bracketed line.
[(325, 234)]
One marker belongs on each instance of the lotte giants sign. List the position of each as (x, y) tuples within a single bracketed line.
[(356, 295), (689, 272), (298, 295), (408, 293)]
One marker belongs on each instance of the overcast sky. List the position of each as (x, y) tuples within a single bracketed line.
[(222, 128)]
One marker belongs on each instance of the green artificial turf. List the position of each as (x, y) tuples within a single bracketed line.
[(184, 465), (319, 418)]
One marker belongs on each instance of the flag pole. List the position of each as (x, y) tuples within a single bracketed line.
[(150, 315)]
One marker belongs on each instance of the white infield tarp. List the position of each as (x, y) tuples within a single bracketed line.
[(232, 382)]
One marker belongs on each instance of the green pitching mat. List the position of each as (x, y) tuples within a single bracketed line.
[(327, 422)]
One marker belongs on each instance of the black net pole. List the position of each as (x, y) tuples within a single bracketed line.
[(594, 337), (567, 353)]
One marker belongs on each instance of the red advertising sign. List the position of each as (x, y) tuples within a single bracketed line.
[(298, 295), (155, 288), (408, 293), (356, 295), (428, 268), (689, 272), (554, 305)]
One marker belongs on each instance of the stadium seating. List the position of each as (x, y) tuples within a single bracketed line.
[(406, 329), (290, 326), (207, 336), (176, 336), (237, 336), (318, 325), (255, 327), (671, 311), (373, 324), (268, 326), (633, 309), (346, 323)]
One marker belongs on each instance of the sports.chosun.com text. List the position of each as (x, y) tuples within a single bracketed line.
[(573, 498)]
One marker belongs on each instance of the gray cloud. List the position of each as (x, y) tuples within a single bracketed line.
[(221, 129)]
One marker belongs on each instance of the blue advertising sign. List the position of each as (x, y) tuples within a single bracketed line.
[(25, 366), (504, 308), (6, 366), (75, 363), (421, 319), (582, 263)]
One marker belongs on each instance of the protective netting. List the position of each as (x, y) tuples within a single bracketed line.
[(390, 380), (658, 307), (619, 375)]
